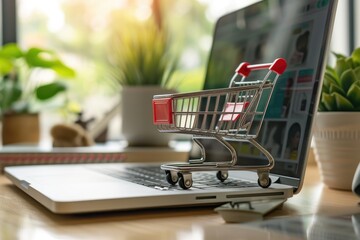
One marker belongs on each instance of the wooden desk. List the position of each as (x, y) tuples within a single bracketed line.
[(22, 217)]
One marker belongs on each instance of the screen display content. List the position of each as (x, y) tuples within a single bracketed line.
[(293, 30)]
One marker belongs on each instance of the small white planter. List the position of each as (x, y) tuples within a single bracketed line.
[(337, 147), (137, 116)]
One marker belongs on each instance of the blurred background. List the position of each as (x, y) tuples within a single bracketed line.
[(81, 32)]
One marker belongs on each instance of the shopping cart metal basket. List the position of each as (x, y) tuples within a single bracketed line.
[(223, 115)]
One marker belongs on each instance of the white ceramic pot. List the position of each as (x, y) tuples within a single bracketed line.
[(337, 147), (137, 116)]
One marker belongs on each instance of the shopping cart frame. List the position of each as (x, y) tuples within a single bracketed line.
[(231, 121)]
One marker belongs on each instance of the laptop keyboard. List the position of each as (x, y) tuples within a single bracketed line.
[(154, 177)]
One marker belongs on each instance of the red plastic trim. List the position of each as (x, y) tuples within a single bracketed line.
[(162, 111), (243, 69), (278, 66)]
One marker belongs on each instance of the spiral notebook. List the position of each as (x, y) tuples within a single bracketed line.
[(111, 152), (29, 155)]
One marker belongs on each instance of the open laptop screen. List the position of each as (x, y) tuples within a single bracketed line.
[(298, 31)]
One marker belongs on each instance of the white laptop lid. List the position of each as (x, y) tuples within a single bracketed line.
[(77, 188), (298, 31)]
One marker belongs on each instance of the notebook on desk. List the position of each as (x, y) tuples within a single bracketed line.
[(111, 152), (11, 155), (298, 31)]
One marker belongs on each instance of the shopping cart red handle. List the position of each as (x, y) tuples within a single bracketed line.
[(278, 66)]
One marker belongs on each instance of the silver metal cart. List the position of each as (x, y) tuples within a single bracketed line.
[(223, 115)]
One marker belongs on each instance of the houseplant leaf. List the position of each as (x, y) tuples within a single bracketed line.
[(332, 72), (341, 66), (349, 62), (322, 106), (357, 72), (5, 66), (10, 50), (10, 94), (337, 89), (63, 70), (330, 78), (356, 56), (36, 57), (354, 94), (49, 90), (347, 78), (342, 103), (338, 55), (328, 101)]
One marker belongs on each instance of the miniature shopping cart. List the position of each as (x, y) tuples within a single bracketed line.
[(223, 115)]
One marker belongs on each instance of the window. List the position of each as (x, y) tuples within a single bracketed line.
[(82, 41), (8, 21), (78, 31)]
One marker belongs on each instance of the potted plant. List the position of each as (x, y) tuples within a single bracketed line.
[(142, 65), (23, 93), (337, 133)]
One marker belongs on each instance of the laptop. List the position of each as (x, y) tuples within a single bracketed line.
[(298, 31)]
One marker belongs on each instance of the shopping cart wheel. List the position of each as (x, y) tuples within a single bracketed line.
[(171, 177), (185, 180), (222, 175), (264, 181)]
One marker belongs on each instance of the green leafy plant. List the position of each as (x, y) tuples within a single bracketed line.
[(341, 87), (20, 87), (140, 53)]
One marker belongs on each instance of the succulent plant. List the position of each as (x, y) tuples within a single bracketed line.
[(341, 87)]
